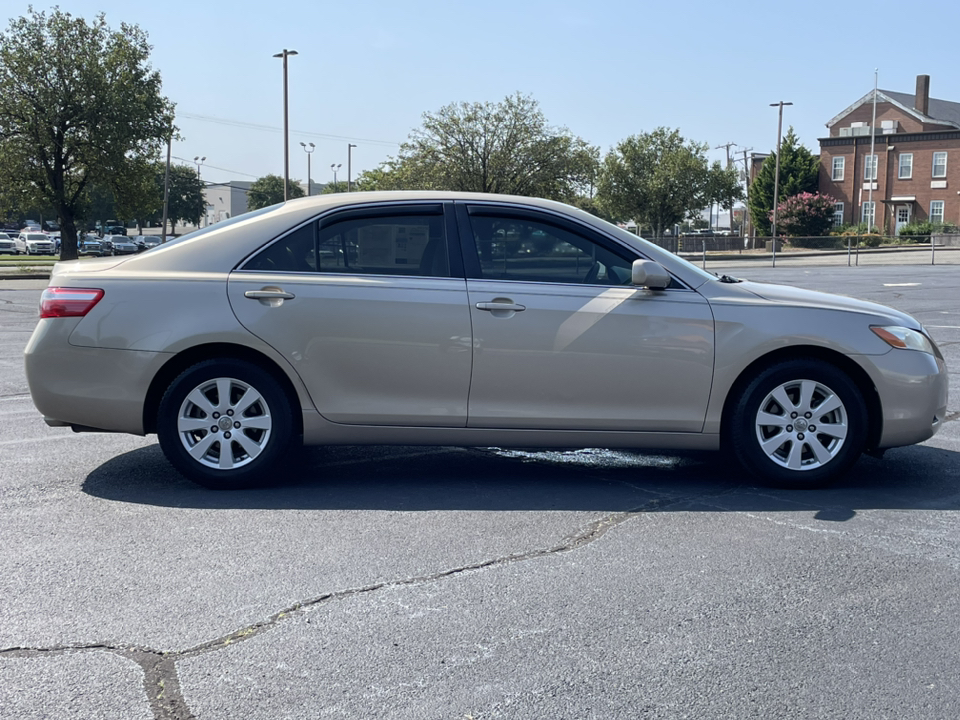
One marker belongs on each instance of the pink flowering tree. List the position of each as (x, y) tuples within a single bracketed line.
[(805, 215)]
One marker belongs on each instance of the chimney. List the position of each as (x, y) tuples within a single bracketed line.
[(921, 101)]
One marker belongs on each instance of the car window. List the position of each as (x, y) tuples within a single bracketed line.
[(511, 248), (380, 245)]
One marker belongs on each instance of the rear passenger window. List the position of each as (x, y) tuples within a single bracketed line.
[(385, 245)]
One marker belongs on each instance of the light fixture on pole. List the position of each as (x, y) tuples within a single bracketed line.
[(199, 161), (286, 125), (335, 167), (776, 178), (350, 147), (308, 151)]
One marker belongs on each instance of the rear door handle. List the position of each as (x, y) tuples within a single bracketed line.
[(492, 306), (270, 296)]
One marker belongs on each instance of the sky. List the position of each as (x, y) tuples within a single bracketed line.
[(366, 71)]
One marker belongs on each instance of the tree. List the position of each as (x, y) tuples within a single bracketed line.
[(185, 201), (723, 187), (338, 187), (806, 215), (268, 190), (79, 104), (799, 173), (504, 147), (656, 179)]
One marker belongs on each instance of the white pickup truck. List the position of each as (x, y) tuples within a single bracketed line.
[(38, 243)]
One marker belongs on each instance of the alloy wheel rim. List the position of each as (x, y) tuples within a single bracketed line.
[(224, 423), (801, 425)]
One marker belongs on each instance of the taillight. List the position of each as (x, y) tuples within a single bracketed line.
[(68, 302)]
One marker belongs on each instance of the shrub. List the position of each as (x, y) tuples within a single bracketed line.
[(805, 215)]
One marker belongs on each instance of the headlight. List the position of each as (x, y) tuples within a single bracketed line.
[(904, 338)]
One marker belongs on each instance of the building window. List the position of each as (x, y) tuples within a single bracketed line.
[(838, 164), (869, 167), (936, 210), (867, 214), (906, 166), (939, 164), (837, 214)]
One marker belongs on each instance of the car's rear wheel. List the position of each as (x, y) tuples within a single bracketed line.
[(799, 424), (226, 424)]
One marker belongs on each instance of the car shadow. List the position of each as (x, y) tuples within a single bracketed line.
[(489, 479)]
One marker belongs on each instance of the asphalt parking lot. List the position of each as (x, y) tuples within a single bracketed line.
[(479, 583)]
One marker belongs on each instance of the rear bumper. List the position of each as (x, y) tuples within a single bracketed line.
[(88, 387)]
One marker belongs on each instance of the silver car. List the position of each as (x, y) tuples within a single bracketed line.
[(467, 319)]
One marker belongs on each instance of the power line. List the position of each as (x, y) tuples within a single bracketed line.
[(234, 172), (272, 128)]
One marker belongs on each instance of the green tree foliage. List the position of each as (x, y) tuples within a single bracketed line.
[(723, 186), (799, 173), (504, 147), (268, 190), (185, 201), (806, 215), (655, 179), (338, 187), (79, 104)]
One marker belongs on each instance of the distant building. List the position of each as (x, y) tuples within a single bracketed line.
[(914, 171), (224, 201)]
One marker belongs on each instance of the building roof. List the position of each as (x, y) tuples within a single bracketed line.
[(940, 112)]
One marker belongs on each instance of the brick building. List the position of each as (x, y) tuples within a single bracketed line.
[(914, 171)]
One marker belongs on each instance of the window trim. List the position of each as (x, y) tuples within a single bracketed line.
[(942, 213), (842, 168), (933, 169), (900, 173)]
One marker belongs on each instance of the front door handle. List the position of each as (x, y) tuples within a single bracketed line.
[(270, 296), (494, 306)]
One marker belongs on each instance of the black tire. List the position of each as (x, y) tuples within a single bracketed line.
[(257, 452), (778, 446)]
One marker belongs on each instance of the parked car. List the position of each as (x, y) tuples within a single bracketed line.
[(11, 245), (38, 243), (91, 245), (150, 241), (124, 246), (433, 332)]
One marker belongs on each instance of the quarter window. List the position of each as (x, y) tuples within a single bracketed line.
[(906, 166), (939, 164), (529, 250), (936, 211), (838, 167)]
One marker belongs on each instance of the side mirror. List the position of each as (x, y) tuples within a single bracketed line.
[(649, 274)]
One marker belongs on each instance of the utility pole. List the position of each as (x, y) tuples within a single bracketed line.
[(350, 146), (286, 125), (776, 178), (166, 189), (727, 146), (746, 209)]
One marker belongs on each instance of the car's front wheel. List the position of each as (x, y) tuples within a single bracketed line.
[(799, 423), (226, 424)]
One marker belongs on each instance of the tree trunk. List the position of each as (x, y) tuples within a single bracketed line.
[(68, 236)]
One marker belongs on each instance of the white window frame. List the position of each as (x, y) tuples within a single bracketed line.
[(905, 169), (837, 214), (936, 215), (943, 165), (839, 165), (868, 166), (869, 209)]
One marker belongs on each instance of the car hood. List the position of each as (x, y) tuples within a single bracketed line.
[(786, 295)]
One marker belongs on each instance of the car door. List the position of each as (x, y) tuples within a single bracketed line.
[(564, 341), (370, 307)]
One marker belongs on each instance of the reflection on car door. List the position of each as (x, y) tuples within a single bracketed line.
[(365, 309), (562, 341)]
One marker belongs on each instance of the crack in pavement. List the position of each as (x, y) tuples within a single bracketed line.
[(161, 682)]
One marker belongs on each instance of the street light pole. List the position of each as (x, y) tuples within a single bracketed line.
[(335, 167), (286, 125), (776, 177), (308, 151), (350, 147), (199, 161)]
